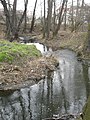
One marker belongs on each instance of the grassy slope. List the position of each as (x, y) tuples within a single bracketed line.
[(10, 52)]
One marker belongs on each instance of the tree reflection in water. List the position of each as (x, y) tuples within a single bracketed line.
[(64, 91)]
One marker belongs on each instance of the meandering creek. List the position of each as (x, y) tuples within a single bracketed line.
[(63, 92)]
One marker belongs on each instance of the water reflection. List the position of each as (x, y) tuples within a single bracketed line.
[(64, 91)]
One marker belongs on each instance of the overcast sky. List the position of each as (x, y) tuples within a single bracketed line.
[(31, 3)]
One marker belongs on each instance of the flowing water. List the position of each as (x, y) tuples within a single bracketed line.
[(63, 92)]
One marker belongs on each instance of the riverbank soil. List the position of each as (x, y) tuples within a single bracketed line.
[(22, 65), (14, 76)]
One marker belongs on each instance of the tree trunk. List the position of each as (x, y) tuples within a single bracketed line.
[(77, 20), (33, 19), (25, 23), (44, 21), (88, 43), (54, 17), (82, 14), (21, 20), (65, 16), (72, 19), (60, 18), (14, 18), (12, 28), (49, 16), (8, 20)]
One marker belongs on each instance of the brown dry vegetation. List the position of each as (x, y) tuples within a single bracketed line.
[(67, 40), (15, 76)]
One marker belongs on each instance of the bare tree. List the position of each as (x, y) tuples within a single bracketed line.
[(54, 16), (14, 17), (72, 19), (49, 16), (33, 18), (82, 13), (9, 28), (12, 27), (44, 20), (60, 18), (25, 23), (65, 22), (22, 17), (77, 15)]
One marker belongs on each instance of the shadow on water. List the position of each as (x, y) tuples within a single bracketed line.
[(61, 92)]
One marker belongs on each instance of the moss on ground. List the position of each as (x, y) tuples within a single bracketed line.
[(10, 52)]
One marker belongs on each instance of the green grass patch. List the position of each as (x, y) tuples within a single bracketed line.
[(10, 52)]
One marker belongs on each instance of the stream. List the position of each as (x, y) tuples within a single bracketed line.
[(64, 91)]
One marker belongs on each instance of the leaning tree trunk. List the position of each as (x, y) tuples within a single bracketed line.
[(33, 19), (60, 18), (22, 17)]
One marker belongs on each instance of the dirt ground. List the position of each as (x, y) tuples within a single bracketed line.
[(16, 76)]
